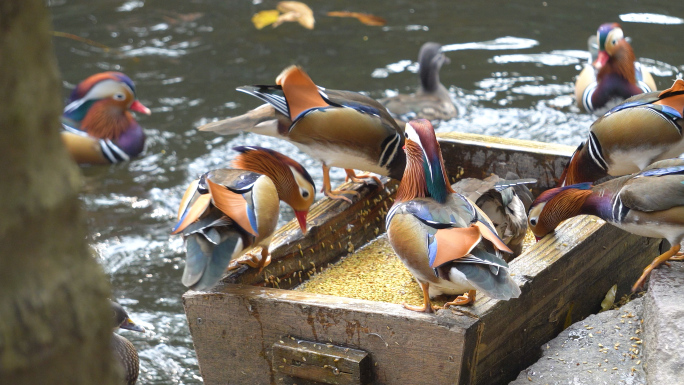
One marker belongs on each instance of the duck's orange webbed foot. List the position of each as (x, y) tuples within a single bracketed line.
[(254, 261), (361, 178), (662, 259), (462, 300), (427, 305), (334, 194)]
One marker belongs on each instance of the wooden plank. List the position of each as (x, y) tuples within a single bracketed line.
[(563, 279), (234, 332), (322, 362), (479, 156)]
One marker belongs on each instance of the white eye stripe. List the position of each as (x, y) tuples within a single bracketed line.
[(304, 185), (107, 88)]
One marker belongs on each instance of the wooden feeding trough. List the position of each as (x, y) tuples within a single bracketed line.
[(252, 329)]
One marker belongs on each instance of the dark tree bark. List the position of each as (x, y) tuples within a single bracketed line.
[(55, 322)]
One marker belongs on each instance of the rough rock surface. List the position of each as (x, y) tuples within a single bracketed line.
[(604, 348), (664, 325)]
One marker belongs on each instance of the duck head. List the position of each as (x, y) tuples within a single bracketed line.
[(556, 205), (424, 175), (606, 32), (100, 104), (122, 320), (614, 48), (430, 60), (294, 184)]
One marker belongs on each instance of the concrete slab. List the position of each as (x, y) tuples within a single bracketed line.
[(664, 325), (604, 348)]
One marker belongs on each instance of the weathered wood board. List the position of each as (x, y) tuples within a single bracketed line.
[(236, 328)]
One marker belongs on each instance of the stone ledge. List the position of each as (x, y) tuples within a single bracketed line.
[(664, 325), (603, 348)]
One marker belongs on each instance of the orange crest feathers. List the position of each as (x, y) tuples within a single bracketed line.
[(300, 91)]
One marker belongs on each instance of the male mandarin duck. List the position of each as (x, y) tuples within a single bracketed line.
[(642, 130), (649, 203), (614, 76), (443, 238), (227, 212), (124, 351), (339, 128), (505, 202), (98, 125), (432, 101)]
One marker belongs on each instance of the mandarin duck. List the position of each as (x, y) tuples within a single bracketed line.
[(613, 76), (505, 202), (228, 212), (124, 351), (648, 203), (432, 101), (98, 127), (338, 128), (443, 238), (642, 130)]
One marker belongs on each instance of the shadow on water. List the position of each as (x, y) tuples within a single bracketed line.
[(511, 74)]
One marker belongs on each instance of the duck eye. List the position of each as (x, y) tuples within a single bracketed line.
[(533, 221), (406, 135), (119, 96), (305, 194), (614, 41)]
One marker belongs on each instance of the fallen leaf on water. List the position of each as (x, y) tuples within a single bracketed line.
[(365, 18), (265, 18), (295, 11)]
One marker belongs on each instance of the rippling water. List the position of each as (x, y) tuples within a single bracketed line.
[(511, 74)]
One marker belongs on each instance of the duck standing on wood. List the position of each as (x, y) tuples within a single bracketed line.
[(649, 203), (505, 202), (614, 76), (339, 128), (642, 130), (432, 101), (98, 126), (227, 212), (124, 351), (444, 239)]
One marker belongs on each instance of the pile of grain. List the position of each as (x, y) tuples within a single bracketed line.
[(373, 273)]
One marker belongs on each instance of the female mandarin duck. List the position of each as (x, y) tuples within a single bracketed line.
[(339, 128), (644, 129), (649, 203), (614, 76), (505, 202), (446, 242), (228, 212), (432, 101), (124, 351), (98, 126)]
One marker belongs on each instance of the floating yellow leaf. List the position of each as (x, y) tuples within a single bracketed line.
[(295, 11), (265, 18), (365, 18)]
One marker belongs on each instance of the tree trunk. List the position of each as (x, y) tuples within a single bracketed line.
[(55, 322)]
